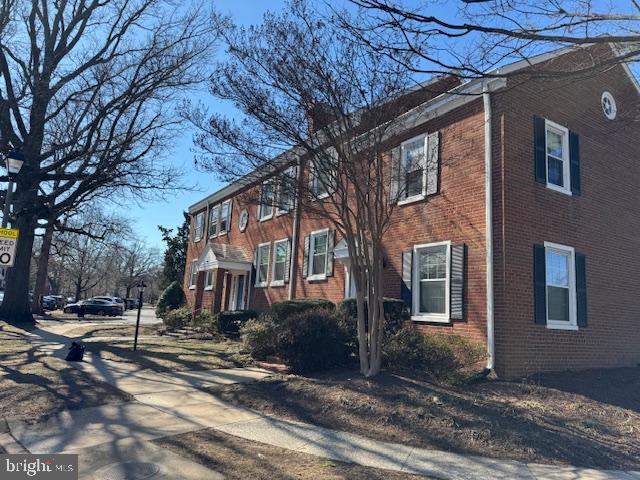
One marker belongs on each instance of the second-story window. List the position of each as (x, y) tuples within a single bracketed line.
[(322, 175), (225, 214), (267, 196), (286, 190), (557, 152), (199, 227), (213, 221), (413, 171)]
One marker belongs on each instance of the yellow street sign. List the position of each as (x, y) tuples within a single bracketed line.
[(8, 241)]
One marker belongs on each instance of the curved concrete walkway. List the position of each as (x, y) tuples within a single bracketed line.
[(171, 404)]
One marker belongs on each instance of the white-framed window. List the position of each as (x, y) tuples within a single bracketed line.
[(318, 242), (413, 174), (280, 252), (322, 175), (199, 227), (213, 221), (225, 213), (286, 191), (262, 264), (267, 199), (557, 157), (430, 282), (193, 274), (560, 286), (208, 280)]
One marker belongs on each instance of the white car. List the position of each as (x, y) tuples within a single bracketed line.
[(116, 300)]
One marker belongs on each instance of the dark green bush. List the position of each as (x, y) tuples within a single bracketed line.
[(230, 322), (286, 308), (171, 298), (204, 321), (260, 337), (442, 355), (312, 341), (177, 318), (395, 316)]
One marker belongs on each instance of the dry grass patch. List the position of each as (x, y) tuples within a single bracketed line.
[(34, 384), (171, 354), (88, 331), (239, 459), (585, 419)]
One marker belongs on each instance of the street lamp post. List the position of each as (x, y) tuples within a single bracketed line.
[(13, 161), (141, 286)]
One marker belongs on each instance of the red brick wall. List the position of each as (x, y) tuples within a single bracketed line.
[(602, 223), (456, 213)]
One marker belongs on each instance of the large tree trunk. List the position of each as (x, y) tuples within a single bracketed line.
[(43, 269), (16, 307)]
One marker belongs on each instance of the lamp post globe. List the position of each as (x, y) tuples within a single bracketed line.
[(13, 162)]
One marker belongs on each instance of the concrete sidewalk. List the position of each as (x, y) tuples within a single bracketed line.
[(169, 404)]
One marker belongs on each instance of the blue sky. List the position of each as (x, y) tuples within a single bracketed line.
[(168, 212)]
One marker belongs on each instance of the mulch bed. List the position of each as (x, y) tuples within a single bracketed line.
[(587, 419)]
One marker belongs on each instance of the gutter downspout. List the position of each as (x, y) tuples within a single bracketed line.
[(488, 208), (295, 234)]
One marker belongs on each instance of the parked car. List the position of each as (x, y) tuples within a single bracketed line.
[(49, 303), (131, 303), (117, 300), (59, 299), (95, 306)]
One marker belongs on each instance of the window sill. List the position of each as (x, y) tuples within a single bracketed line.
[(321, 197), (213, 236), (261, 285), (197, 240), (556, 188), (264, 219), (283, 212), (278, 283), (192, 287), (431, 318), (413, 199), (222, 233), (208, 288), (317, 278), (562, 326)]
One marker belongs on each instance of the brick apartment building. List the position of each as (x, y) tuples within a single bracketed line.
[(537, 259)]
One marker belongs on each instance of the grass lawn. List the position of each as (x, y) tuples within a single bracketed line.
[(587, 419), (34, 385), (239, 459), (170, 354), (111, 330)]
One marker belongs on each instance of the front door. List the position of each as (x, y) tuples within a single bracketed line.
[(236, 300)]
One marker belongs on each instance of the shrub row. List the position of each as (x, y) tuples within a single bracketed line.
[(308, 341)]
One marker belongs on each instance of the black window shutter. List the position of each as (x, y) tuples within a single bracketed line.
[(456, 294), (305, 258), (574, 157), (539, 285), (330, 245), (581, 290), (253, 267), (287, 263), (405, 285), (540, 146)]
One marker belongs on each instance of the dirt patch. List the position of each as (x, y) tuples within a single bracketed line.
[(34, 385), (170, 354), (239, 459), (586, 419)]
